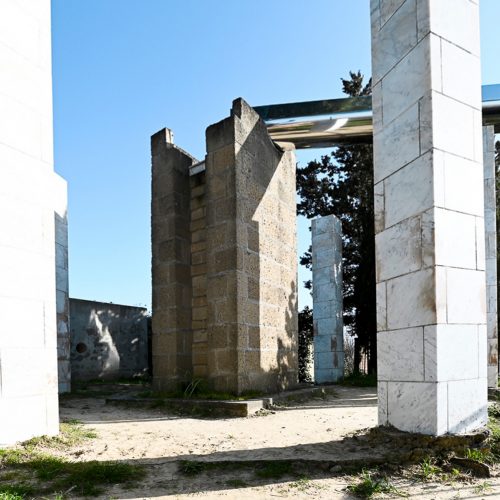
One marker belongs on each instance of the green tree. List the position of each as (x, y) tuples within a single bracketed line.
[(341, 183)]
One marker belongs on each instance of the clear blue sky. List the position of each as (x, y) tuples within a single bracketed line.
[(124, 69)]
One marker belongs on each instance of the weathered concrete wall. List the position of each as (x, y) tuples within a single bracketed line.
[(62, 289), (171, 263), (251, 256), (224, 296), (429, 206), (108, 341), (327, 299), (28, 195), (490, 227)]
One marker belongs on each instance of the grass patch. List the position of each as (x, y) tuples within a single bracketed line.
[(71, 433), (371, 484), (428, 469), (15, 491), (51, 474), (56, 474), (360, 380), (192, 468)]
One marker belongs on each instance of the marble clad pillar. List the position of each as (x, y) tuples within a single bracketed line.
[(327, 299), (429, 210)]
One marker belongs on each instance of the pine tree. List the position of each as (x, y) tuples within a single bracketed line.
[(341, 183)]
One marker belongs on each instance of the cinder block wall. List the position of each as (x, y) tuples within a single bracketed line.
[(171, 263)]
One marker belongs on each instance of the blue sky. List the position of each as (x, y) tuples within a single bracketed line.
[(123, 69)]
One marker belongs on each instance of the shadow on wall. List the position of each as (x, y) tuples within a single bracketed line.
[(108, 341)]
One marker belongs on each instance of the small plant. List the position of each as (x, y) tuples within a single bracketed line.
[(482, 488), (370, 484), (494, 411), (191, 468), (428, 469), (476, 454)]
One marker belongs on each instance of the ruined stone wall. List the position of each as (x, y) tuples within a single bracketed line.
[(171, 263), (251, 256), (108, 341), (224, 295)]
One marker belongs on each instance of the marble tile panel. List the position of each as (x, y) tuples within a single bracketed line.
[(467, 405), (411, 300), (409, 191), (398, 249), (466, 296), (400, 355), (418, 407), (397, 144), (455, 239), (451, 352)]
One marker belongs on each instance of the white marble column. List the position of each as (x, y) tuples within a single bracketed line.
[(490, 225), (431, 296), (327, 299)]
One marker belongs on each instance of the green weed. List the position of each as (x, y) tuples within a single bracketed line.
[(191, 468), (370, 484), (428, 469)]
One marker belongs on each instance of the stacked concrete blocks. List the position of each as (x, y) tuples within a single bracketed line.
[(224, 294), (327, 299), (431, 309), (251, 256), (490, 226), (171, 263)]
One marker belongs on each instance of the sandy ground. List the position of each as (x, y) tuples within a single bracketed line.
[(307, 430)]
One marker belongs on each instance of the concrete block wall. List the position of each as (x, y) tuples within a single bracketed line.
[(28, 195), (224, 299), (108, 341), (431, 307), (251, 256), (171, 263), (490, 226), (327, 299)]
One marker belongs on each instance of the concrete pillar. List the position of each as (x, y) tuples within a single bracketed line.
[(62, 287), (28, 333), (327, 299), (431, 309), (251, 256), (490, 225), (171, 263)]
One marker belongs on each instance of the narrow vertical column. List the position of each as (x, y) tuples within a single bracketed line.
[(251, 256), (171, 263), (431, 309), (327, 299), (62, 286), (490, 225)]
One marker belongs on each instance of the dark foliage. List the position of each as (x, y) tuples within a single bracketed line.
[(306, 334), (341, 183)]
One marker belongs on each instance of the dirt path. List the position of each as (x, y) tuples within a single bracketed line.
[(309, 430)]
